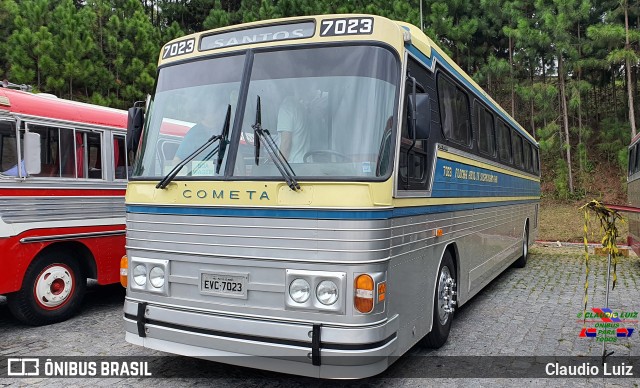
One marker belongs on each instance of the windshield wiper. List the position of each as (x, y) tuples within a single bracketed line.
[(223, 138), (281, 163)]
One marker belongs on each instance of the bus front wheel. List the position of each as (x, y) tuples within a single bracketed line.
[(52, 290), (444, 302)]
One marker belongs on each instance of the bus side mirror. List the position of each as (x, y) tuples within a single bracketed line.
[(134, 128), (32, 160), (420, 115)]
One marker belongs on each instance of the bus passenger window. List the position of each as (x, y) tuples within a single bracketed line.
[(8, 150), (486, 133), (58, 151), (454, 111), (517, 149), (120, 160), (90, 158), (536, 166), (527, 157), (504, 142)]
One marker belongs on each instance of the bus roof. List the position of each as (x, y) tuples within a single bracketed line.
[(635, 140), (50, 107)]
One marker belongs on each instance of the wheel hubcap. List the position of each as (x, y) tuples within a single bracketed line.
[(53, 286), (446, 295)]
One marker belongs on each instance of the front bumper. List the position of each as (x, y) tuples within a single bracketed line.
[(308, 349)]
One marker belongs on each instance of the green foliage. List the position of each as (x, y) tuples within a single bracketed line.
[(560, 180), (613, 137)]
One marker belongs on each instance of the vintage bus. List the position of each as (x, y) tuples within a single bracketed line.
[(633, 194), (353, 187), (63, 177)]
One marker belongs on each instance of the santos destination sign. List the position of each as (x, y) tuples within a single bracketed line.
[(257, 35)]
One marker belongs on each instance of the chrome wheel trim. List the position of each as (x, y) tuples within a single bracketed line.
[(446, 295)]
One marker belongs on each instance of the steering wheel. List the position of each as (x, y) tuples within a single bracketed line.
[(328, 154)]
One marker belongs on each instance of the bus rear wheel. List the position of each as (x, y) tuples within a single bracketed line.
[(443, 304), (52, 290), (522, 260)]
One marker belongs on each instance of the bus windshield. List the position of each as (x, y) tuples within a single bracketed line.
[(329, 110)]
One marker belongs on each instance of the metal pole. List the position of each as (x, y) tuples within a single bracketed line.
[(606, 300)]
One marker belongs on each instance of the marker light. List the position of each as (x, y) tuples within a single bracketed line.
[(124, 268), (140, 275), (382, 291), (363, 298), (156, 277), (299, 290), (327, 292)]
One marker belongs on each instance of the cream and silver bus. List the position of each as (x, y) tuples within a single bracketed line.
[(342, 187)]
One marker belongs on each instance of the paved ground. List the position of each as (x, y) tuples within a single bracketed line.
[(531, 312)]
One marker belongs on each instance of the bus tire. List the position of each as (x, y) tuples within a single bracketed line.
[(443, 300), (52, 290), (522, 260)]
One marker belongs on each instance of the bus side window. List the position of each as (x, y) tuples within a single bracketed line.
[(504, 142), (57, 151), (120, 162), (89, 145), (486, 133), (527, 157), (412, 165), (516, 141), (8, 150), (454, 109), (637, 157)]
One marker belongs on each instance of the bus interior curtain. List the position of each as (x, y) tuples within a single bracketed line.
[(79, 156)]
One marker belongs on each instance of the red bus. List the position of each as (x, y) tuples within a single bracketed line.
[(63, 176)]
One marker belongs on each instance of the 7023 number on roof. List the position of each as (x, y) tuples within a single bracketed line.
[(178, 48), (346, 26)]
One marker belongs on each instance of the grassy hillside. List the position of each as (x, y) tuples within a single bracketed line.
[(563, 221)]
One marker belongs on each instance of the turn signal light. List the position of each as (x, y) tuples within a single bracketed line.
[(363, 298), (124, 268)]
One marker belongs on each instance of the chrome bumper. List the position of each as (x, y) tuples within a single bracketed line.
[(308, 349)]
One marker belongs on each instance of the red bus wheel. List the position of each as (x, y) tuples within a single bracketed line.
[(52, 290)]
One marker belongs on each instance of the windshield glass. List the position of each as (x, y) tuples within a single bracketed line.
[(189, 107), (329, 110)]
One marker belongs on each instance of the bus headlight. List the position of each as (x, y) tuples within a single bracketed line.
[(320, 291), (140, 274), (156, 277), (327, 292), (299, 290), (149, 275)]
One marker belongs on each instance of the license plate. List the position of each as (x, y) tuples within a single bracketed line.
[(231, 286)]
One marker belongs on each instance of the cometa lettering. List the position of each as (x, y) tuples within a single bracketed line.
[(231, 194)]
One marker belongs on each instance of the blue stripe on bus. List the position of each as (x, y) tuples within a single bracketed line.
[(471, 181), (314, 213), (429, 63)]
